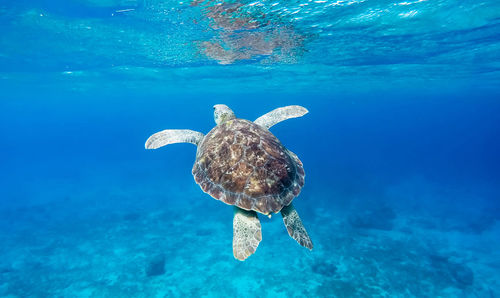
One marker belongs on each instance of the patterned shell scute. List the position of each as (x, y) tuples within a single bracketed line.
[(243, 164)]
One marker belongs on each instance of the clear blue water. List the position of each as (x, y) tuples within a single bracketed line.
[(400, 147)]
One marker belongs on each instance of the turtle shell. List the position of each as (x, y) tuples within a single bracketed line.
[(243, 164)]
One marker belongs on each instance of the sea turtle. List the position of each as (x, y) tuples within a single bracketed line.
[(241, 163)]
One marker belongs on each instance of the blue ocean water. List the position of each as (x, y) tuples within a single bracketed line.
[(400, 146)]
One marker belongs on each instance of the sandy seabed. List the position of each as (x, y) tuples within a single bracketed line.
[(128, 240)]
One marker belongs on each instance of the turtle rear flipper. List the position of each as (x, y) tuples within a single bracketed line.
[(295, 227), (171, 136), (246, 233)]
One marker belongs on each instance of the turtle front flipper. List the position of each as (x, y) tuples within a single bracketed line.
[(171, 136), (280, 114), (295, 227), (246, 233)]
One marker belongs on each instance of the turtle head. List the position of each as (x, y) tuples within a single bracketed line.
[(223, 113)]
